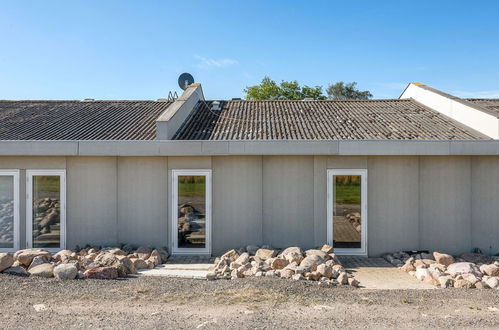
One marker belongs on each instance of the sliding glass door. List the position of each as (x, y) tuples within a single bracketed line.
[(191, 212), (347, 211), (45, 213)]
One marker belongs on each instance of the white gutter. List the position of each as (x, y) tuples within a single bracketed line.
[(220, 148), (458, 109)]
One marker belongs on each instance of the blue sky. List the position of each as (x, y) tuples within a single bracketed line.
[(136, 49)]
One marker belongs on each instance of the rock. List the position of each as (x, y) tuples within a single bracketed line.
[(337, 269), (353, 282), (292, 266), (101, 273), (325, 270), (231, 255), (163, 253), (17, 271), (462, 268), (287, 273), (65, 272), (446, 281), (312, 276), (128, 248), (460, 283), (106, 259), (211, 276), (312, 261), (118, 252), (425, 255), (271, 273), (470, 278), (279, 263), (444, 259), (265, 254), (298, 277), (319, 253), (327, 249), (63, 256), (6, 261), (38, 260), (155, 257), (143, 252), (251, 249), (439, 267), (139, 263), (408, 267), (43, 270), (334, 259), (25, 257), (39, 307), (302, 269), (480, 285), (343, 278), (129, 266), (243, 258), (490, 270), (422, 274), (492, 282), (476, 258)]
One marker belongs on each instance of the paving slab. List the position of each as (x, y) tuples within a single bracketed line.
[(184, 270), (377, 273)]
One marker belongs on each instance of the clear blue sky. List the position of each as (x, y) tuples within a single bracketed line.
[(136, 49)]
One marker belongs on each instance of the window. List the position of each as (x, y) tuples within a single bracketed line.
[(191, 212), (9, 210), (46, 209), (347, 211)]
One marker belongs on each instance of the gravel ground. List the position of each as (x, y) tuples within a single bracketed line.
[(150, 302)]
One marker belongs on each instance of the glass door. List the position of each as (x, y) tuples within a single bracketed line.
[(347, 211), (191, 212), (46, 205)]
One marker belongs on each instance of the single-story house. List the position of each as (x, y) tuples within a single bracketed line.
[(200, 177)]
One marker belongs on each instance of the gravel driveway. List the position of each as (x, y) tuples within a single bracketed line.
[(150, 302)]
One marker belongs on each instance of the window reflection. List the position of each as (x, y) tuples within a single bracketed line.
[(7, 212), (191, 219), (46, 211), (347, 211)]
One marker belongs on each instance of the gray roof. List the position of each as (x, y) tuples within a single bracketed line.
[(321, 120), (489, 105), (79, 120)]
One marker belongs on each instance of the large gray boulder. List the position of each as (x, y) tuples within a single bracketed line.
[(65, 272), (6, 261)]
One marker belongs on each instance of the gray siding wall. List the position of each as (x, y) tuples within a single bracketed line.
[(427, 202)]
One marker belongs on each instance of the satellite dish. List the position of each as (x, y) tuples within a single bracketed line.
[(185, 80)]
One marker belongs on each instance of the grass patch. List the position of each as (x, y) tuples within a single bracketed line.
[(405, 300)]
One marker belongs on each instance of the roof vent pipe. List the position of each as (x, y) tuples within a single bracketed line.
[(215, 105), (87, 100)]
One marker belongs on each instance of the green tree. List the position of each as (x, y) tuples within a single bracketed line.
[(268, 89), (347, 91)]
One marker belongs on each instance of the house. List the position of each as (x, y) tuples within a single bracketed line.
[(416, 173)]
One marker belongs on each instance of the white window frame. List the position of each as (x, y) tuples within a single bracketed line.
[(174, 213), (362, 251), (29, 206), (15, 175)]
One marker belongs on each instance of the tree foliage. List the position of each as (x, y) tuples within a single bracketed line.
[(268, 89), (347, 91)]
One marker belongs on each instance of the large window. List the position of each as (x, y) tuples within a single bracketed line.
[(191, 211), (347, 211), (45, 214), (9, 210)]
